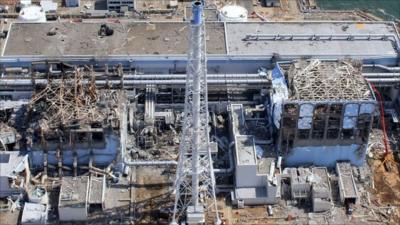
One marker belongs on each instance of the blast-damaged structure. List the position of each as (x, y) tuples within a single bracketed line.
[(326, 115), (72, 123), (103, 116)]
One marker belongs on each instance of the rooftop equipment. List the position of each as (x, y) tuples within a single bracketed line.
[(32, 14), (233, 13)]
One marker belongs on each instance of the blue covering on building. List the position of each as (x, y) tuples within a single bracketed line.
[(101, 157), (326, 155)]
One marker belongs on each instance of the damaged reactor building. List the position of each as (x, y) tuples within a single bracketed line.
[(200, 122)]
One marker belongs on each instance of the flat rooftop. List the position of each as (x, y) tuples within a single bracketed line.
[(302, 44), (346, 180), (82, 39), (245, 150), (347, 39), (74, 191)]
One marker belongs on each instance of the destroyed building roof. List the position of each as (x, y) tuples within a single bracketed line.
[(290, 39), (317, 80), (74, 192)]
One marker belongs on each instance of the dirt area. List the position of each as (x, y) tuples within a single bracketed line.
[(387, 185), (9, 218), (386, 172), (152, 195)]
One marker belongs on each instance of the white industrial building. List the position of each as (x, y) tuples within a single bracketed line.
[(255, 178), (73, 201), (34, 214)]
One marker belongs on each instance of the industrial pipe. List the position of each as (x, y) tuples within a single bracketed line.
[(26, 82), (124, 134), (382, 67), (289, 37), (197, 11), (167, 76), (150, 163), (183, 76), (384, 80), (381, 75)]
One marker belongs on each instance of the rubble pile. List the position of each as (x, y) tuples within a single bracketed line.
[(70, 102), (342, 80)]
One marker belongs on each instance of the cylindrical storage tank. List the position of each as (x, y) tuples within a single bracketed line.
[(233, 13), (32, 14)]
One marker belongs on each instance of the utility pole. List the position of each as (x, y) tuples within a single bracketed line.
[(195, 182)]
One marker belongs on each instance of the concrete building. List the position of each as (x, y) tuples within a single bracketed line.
[(347, 186), (73, 201), (97, 192), (34, 214), (148, 60), (325, 115), (255, 180), (311, 185)]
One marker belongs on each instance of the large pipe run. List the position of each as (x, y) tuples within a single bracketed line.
[(28, 82), (393, 69)]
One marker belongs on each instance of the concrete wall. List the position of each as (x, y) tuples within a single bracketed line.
[(5, 189), (246, 176), (72, 214)]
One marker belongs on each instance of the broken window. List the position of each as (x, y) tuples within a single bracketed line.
[(347, 134), (289, 122), (332, 134), (98, 136), (333, 122), (82, 137), (336, 109), (303, 133), (291, 110)]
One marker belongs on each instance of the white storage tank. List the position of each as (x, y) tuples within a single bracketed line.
[(32, 14), (233, 13)]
